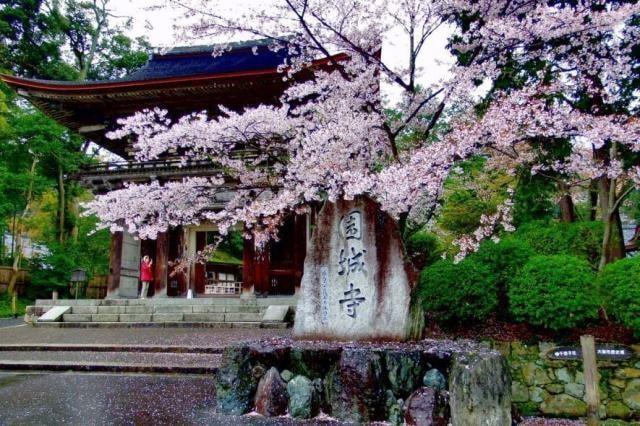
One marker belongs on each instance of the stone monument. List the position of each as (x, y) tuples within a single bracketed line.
[(356, 284)]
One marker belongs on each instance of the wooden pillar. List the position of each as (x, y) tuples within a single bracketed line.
[(115, 264), (591, 379), (247, 270), (161, 265)]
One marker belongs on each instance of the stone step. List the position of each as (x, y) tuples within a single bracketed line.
[(146, 302), (165, 309), (165, 317), (160, 324)]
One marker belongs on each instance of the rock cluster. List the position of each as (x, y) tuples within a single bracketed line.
[(401, 384)]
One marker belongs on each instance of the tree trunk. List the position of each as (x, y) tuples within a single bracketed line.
[(567, 209), (593, 200), (61, 204), (15, 267), (613, 239)]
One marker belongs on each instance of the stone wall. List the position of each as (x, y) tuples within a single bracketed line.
[(556, 388), (426, 383)]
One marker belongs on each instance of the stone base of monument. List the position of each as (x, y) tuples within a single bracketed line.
[(423, 383)]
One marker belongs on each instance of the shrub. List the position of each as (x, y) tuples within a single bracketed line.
[(458, 292), (423, 248), (555, 292), (619, 286), (582, 239), (504, 260)]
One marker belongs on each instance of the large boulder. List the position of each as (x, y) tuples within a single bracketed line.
[(434, 379), (355, 387), (241, 369), (303, 398), (422, 408), (404, 371), (271, 396), (480, 390), (356, 283)]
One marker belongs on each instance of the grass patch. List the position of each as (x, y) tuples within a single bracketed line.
[(5, 306), (222, 256)]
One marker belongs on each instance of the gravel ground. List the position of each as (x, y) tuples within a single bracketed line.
[(136, 336)]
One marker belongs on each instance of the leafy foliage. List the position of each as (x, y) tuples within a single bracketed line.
[(459, 292), (503, 260), (6, 310), (619, 286), (472, 192), (53, 270), (582, 239), (423, 248), (555, 292)]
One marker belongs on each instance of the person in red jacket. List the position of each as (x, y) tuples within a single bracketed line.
[(146, 275)]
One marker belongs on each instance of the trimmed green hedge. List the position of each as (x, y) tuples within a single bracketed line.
[(458, 292), (619, 287), (555, 292), (582, 239)]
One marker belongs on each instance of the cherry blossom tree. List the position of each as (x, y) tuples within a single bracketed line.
[(329, 137)]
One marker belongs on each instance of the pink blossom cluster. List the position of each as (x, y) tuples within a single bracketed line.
[(329, 137)]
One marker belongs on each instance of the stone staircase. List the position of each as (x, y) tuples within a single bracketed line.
[(203, 312)]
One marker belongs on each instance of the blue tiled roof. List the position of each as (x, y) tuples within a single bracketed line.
[(193, 61)]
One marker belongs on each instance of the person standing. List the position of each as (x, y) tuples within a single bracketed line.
[(146, 275)]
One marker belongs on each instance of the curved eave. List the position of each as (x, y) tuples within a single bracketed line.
[(100, 87)]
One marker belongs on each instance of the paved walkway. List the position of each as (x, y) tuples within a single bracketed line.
[(10, 322), (108, 399), (135, 336)]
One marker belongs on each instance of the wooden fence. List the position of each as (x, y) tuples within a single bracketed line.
[(97, 287), (24, 279)]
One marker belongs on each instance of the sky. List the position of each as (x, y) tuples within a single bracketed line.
[(157, 27)]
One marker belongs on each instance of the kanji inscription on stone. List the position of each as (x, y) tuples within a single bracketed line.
[(324, 295), (351, 300), (351, 262), (351, 225)]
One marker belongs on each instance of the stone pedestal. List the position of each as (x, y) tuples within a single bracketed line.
[(356, 283)]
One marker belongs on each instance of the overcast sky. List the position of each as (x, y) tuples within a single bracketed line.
[(157, 26)]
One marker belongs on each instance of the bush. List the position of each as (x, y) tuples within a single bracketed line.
[(619, 286), (458, 292), (423, 248), (582, 239), (6, 310), (504, 260), (555, 292)]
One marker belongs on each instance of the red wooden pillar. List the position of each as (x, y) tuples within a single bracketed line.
[(247, 269), (115, 263), (161, 264), (199, 268)]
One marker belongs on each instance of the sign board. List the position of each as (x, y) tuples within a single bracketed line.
[(603, 352)]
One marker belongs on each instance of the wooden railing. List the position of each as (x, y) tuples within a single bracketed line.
[(144, 166)]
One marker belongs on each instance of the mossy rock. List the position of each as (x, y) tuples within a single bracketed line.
[(564, 406), (618, 410)]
